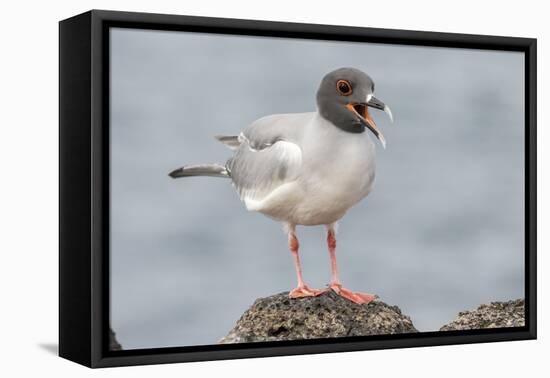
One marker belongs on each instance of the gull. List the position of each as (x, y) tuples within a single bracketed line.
[(308, 168)]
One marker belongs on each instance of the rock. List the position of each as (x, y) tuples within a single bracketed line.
[(494, 315), (113, 343), (279, 317)]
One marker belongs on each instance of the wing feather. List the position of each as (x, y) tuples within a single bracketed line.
[(231, 141), (256, 172), (268, 156)]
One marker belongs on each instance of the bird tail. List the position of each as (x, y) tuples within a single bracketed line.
[(212, 170)]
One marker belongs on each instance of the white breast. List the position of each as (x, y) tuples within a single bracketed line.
[(337, 172)]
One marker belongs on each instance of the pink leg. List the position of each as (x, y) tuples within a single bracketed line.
[(335, 283), (302, 290)]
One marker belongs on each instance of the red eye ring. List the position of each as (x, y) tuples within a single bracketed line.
[(344, 87)]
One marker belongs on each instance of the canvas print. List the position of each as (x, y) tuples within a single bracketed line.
[(272, 189)]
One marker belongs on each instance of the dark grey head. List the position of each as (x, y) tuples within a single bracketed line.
[(344, 97)]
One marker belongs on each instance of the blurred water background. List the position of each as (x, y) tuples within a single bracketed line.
[(441, 232)]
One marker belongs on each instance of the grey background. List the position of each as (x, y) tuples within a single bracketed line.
[(441, 232)]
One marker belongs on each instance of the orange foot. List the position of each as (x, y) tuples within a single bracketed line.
[(359, 298), (304, 291)]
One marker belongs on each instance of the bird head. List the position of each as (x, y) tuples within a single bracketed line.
[(344, 97)]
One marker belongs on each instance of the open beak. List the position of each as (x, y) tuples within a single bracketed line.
[(361, 109)]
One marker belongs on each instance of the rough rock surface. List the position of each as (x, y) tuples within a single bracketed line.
[(279, 317), (494, 315), (113, 343)]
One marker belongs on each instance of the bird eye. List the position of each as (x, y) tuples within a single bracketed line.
[(344, 87)]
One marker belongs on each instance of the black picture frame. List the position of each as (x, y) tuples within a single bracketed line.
[(84, 187)]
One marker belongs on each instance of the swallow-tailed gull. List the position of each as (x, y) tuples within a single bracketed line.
[(307, 168)]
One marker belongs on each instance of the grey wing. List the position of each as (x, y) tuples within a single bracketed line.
[(270, 129), (231, 141), (266, 131), (268, 155), (257, 172)]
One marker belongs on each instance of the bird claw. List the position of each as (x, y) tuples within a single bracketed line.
[(356, 297), (304, 291)]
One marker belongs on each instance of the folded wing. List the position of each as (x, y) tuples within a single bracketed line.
[(257, 169)]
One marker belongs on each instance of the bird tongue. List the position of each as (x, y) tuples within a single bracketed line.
[(363, 111)]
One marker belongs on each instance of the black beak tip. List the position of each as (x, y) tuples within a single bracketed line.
[(174, 173)]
